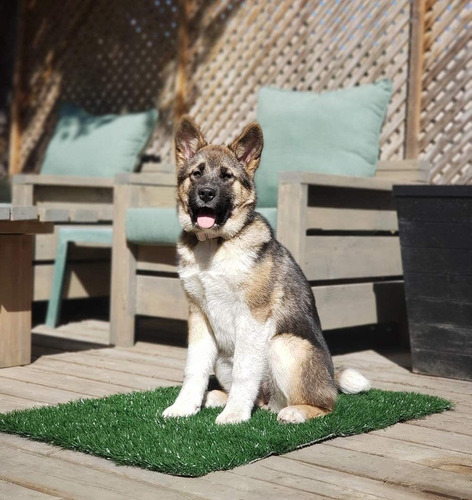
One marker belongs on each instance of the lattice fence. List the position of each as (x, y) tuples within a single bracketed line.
[(123, 56), (318, 45), (446, 116), (108, 57)]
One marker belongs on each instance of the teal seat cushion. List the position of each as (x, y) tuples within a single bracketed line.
[(160, 226), (97, 146), (152, 226), (331, 133)]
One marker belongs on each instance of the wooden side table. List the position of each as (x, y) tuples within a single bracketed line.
[(18, 225)]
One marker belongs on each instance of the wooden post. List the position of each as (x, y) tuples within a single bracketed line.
[(123, 269), (291, 218), (22, 194), (181, 82), (17, 96), (415, 76), (16, 295)]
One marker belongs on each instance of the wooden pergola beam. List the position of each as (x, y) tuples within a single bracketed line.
[(183, 40), (17, 96), (415, 77)]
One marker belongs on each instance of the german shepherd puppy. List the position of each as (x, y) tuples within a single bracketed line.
[(253, 318)]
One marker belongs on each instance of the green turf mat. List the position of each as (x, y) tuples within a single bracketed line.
[(129, 429)]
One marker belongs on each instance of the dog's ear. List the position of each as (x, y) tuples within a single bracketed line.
[(188, 140), (248, 147)]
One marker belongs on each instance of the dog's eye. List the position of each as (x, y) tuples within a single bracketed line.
[(227, 175), (196, 174)]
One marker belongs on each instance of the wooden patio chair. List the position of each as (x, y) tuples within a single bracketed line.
[(342, 231), (77, 174)]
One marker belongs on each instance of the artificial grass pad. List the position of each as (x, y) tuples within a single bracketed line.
[(129, 428)]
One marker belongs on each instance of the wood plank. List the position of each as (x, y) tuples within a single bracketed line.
[(4, 212), (12, 490), (440, 286), (23, 213), (322, 480), (415, 78), (426, 311), (22, 194), (345, 219), (405, 177), (94, 372), (291, 219), (443, 464), (342, 306), (92, 331), (411, 164), (61, 180), (157, 359), (213, 486), (123, 281), (10, 403), (308, 177), (53, 214), (16, 286), (442, 364), (34, 471), (156, 196), (160, 297), (345, 257), (421, 234), (83, 279), (440, 439), (157, 259), (82, 215), (446, 422), (162, 374), (448, 210), (92, 197), (36, 392), (443, 338), (437, 260), (151, 178), (25, 227), (422, 453), (419, 478), (389, 375), (86, 387)]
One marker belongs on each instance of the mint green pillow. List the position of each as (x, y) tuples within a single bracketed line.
[(98, 146), (331, 133)]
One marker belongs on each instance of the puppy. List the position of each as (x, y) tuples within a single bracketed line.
[(253, 318)]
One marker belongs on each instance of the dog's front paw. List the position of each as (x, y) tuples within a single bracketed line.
[(291, 415), (180, 410), (232, 417)]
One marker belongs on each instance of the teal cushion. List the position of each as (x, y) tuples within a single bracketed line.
[(152, 226), (332, 133), (97, 146), (160, 226)]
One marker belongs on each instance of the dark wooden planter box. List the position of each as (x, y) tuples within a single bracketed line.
[(435, 224)]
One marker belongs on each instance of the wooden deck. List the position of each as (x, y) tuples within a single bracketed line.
[(430, 458)]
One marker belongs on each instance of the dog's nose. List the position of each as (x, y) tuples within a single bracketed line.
[(206, 193)]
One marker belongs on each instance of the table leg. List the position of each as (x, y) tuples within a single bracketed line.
[(16, 294)]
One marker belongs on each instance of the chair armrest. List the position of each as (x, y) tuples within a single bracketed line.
[(148, 179), (60, 180), (343, 181)]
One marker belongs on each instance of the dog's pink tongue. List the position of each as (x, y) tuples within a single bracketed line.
[(206, 221)]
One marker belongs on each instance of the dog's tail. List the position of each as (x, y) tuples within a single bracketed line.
[(350, 381)]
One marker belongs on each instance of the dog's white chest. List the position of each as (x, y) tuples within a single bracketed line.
[(215, 282)]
